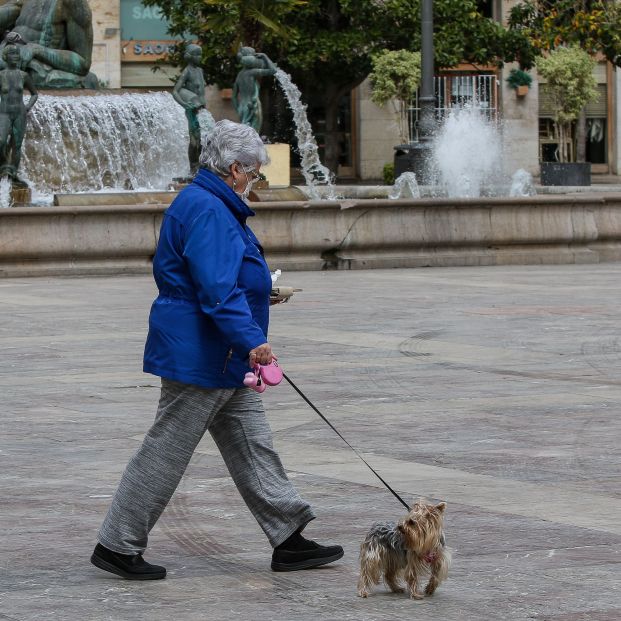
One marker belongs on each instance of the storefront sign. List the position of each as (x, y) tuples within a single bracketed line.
[(145, 50)]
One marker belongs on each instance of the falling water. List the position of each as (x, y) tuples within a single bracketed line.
[(406, 186), (522, 184), (5, 192), (91, 143), (467, 153), (315, 173)]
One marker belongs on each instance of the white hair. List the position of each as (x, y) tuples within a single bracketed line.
[(231, 142)]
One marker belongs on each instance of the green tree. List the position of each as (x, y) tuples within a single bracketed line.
[(395, 76), (569, 74), (327, 45), (594, 25)]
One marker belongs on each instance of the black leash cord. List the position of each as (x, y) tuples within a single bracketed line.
[(338, 433)]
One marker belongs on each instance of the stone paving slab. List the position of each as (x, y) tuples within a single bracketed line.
[(496, 389)]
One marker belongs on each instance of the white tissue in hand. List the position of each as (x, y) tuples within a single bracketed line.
[(276, 276)]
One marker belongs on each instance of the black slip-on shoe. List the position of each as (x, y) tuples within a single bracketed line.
[(128, 566), (315, 556)]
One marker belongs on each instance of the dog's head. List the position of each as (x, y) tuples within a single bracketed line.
[(422, 527)]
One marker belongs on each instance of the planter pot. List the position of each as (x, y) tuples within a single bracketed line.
[(521, 91), (555, 173)]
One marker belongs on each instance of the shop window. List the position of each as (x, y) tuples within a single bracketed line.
[(596, 141), (596, 147)]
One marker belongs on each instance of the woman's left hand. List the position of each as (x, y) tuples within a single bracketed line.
[(261, 355)]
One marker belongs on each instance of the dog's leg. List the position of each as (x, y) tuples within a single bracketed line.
[(411, 579), (364, 583), (392, 582), (433, 583), (369, 574), (439, 571), (392, 573)]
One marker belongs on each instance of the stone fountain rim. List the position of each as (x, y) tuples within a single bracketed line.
[(422, 203)]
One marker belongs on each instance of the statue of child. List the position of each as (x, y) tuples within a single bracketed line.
[(189, 92), (246, 88), (13, 111)]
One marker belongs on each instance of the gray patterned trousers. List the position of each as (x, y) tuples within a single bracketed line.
[(236, 420)]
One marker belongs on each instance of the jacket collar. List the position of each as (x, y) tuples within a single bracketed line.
[(214, 184)]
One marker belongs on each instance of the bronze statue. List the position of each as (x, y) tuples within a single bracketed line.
[(57, 37), (13, 112), (189, 92), (246, 88)]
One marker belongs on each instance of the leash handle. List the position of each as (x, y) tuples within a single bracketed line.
[(338, 433)]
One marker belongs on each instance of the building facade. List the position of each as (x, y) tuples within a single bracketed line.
[(525, 121)]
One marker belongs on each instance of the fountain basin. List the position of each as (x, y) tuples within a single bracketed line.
[(315, 235)]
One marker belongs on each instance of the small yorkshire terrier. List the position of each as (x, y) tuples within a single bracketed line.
[(410, 550)]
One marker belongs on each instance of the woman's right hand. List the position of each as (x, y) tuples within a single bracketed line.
[(261, 355)]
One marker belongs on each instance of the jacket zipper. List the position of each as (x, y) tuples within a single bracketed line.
[(228, 357)]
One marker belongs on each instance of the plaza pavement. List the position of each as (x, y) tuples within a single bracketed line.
[(497, 389)]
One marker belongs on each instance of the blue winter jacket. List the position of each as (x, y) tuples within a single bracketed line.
[(214, 286)]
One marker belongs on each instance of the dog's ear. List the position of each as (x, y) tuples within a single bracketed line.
[(441, 506)]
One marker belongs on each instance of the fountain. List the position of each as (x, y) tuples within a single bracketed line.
[(314, 172), (98, 142), (105, 142), (522, 184), (467, 153), (131, 142), (6, 199), (406, 186)]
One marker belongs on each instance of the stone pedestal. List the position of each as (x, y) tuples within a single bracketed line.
[(278, 171), (21, 196)]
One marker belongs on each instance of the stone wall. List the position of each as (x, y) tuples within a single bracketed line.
[(352, 234)]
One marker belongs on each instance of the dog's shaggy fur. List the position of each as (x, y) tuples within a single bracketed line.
[(408, 550)]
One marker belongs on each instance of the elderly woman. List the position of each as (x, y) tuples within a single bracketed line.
[(207, 326)]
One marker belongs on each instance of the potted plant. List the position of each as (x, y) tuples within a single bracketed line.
[(394, 80), (520, 81), (568, 72)]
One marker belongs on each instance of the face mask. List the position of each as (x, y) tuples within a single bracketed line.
[(249, 183)]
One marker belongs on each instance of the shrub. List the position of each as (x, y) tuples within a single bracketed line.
[(389, 174)]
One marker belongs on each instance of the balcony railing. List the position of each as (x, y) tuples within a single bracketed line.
[(457, 91)]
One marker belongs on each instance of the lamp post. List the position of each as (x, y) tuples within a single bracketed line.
[(416, 156), (427, 100), (427, 92)]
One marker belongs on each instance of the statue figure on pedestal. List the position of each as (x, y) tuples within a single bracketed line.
[(246, 88), (13, 112), (189, 92), (57, 37)]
